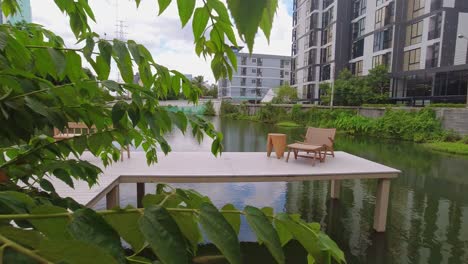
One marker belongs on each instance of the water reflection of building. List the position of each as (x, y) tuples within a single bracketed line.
[(428, 213)]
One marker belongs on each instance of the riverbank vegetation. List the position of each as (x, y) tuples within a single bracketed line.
[(209, 109), (417, 126), (458, 148)]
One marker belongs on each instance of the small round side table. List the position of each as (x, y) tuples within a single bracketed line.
[(278, 142)]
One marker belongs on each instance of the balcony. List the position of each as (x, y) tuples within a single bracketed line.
[(259, 62), (244, 61)]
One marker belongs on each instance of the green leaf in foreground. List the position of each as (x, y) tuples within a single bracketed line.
[(233, 219), (200, 20), (126, 224), (185, 10), (163, 235), (220, 232), (53, 228), (189, 228), (73, 252), (90, 227), (265, 232)]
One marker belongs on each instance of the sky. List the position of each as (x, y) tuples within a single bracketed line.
[(169, 44)]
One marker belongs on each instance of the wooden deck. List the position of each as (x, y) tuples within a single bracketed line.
[(198, 167)]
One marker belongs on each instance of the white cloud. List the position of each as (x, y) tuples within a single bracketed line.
[(169, 44)]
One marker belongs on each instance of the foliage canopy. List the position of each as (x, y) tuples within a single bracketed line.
[(43, 85)]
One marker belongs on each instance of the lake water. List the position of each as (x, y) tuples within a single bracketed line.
[(428, 210)]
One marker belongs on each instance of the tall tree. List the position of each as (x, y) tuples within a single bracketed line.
[(43, 85)]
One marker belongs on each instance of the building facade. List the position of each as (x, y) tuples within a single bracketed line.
[(256, 74), (24, 13), (422, 42)]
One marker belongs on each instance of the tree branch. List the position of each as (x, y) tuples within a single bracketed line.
[(25, 251)]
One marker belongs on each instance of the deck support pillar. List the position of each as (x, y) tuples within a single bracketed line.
[(113, 198), (140, 194), (335, 189), (381, 205)]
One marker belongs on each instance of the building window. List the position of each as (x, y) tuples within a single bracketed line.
[(358, 49), (259, 62), (327, 3), (254, 60), (312, 39), (359, 8), (415, 8), (432, 56), (414, 33), (243, 81), (312, 58), (356, 68), (383, 39), (411, 60), (435, 26), (243, 60), (436, 4), (383, 59), (313, 21), (243, 71), (326, 54), (243, 91), (259, 83), (254, 70), (359, 28), (254, 81), (313, 5), (327, 35), (379, 18), (327, 17), (325, 72)]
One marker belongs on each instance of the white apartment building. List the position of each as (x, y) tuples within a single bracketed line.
[(256, 74)]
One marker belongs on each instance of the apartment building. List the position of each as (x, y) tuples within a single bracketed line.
[(422, 42), (320, 43), (256, 74)]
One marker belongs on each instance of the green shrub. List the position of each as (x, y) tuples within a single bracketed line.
[(243, 108), (228, 108), (297, 115), (271, 114), (450, 136), (464, 140), (209, 109)]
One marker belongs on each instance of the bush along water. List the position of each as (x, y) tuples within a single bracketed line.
[(417, 126), (209, 109)]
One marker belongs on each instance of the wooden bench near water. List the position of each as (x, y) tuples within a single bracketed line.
[(203, 167)]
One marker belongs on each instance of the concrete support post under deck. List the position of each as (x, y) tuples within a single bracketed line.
[(140, 194), (381, 205), (335, 189), (113, 198)]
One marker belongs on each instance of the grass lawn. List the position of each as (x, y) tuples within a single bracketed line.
[(449, 147), (288, 124)]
